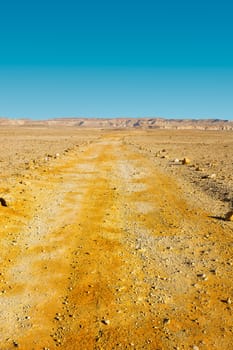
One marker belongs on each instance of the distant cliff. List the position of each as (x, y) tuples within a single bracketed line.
[(123, 123)]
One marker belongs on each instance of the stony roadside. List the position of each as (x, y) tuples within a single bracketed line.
[(210, 160)]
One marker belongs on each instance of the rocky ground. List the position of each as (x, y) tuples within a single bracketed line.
[(109, 241), (209, 155)]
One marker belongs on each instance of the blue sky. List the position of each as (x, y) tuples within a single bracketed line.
[(124, 58)]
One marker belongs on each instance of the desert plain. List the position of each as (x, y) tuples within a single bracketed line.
[(116, 239)]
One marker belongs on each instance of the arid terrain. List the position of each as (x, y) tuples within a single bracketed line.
[(116, 239)]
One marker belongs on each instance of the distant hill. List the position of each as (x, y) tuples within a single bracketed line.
[(123, 123)]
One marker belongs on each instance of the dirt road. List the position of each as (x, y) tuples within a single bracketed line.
[(102, 250)]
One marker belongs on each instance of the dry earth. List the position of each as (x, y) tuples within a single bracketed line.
[(108, 242)]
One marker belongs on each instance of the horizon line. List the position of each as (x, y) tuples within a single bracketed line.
[(120, 117)]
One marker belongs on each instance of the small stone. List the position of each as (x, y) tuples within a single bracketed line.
[(229, 216), (186, 161), (228, 301), (106, 322), (195, 347), (166, 321), (202, 276), (3, 202)]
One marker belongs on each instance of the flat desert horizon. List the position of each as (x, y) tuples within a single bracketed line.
[(116, 238)]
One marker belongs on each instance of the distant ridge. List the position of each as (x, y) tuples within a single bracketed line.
[(123, 123)]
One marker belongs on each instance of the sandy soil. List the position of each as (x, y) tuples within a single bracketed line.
[(107, 242)]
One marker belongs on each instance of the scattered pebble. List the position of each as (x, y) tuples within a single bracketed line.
[(229, 216), (186, 161), (166, 321), (202, 276), (106, 322), (3, 202), (195, 347)]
